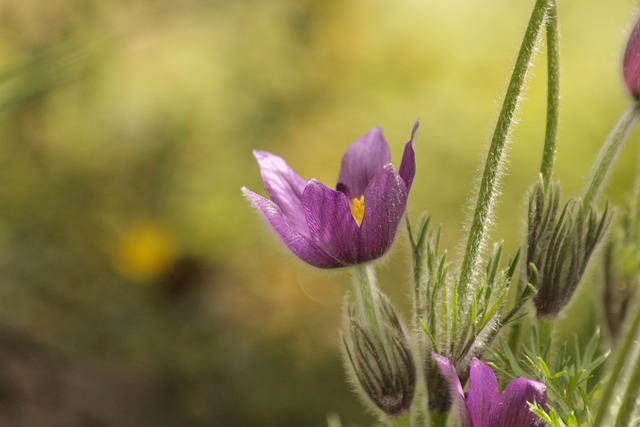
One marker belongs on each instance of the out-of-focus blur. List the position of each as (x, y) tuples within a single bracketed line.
[(137, 287)]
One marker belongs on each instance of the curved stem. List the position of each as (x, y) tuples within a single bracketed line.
[(623, 355), (553, 94), (609, 152), (495, 158), (630, 396)]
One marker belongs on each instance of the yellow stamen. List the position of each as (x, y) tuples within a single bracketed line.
[(357, 209)]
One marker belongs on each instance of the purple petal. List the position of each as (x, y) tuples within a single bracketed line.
[(363, 160), (408, 165), (385, 200), (483, 394), (449, 373), (285, 188), (513, 409), (631, 62), (331, 225), (298, 243)]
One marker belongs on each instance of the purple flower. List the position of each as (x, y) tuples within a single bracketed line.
[(631, 62), (353, 224), (484, 405)]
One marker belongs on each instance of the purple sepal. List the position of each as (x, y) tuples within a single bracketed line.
[(331, 225), (363, 160), (513, 409), (448, 371), (385, 202), (408, 166), (483, 393), (284, 187), (301, 245)]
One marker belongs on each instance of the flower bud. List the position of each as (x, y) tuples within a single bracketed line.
[(380, 357), (560, 246), (631, 63)]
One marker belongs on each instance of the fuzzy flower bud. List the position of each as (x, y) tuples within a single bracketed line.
[(560, 246), (631, 63), (380, 357)]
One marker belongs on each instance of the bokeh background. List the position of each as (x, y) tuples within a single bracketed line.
[(137, 287)]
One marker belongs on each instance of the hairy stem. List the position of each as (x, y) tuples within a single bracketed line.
[(553, 94), (404, 421), (609, 153), (623, 355), (367, 292), (630, 396), (495, 158)]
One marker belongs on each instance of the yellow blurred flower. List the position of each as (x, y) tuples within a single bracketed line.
[(145, 252)]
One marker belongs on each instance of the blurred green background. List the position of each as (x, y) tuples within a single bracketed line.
[(127, 129)]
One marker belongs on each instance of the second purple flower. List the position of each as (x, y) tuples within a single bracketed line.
[(484, 405), (352, 224)]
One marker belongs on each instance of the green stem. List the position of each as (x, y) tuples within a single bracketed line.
[(404, 421), (438, 420), (545, 337), (623, 355), (630, 396), (610, 151), (553, 94), (417, 251), (550, 140), (367, 291), (495, 158)]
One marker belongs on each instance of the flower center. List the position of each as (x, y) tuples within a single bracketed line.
[(357, 209)]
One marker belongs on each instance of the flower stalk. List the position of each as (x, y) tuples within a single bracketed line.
[(495, 158), (624, 354), (609, 152), (553, 94), (378, 353), (367, 292), (630, 396)]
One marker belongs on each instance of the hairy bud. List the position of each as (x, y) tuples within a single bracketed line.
[(381, 358), (559, 246)]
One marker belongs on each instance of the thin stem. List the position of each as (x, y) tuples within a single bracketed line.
[(417, 273), (630, 396), (545, 337), (623, 355), (367, 291), (495, 158), (438, 420), (404, 421), (609, 152), (553, 94)]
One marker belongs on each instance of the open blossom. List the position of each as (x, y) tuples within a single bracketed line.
[(484, 405), (631, 62), (352, 224)]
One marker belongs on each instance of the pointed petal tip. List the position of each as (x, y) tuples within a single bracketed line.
[(443, 362), (246, 192), (261, 154), (408, 164), (414, 131)]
